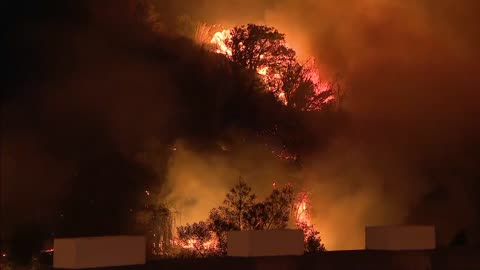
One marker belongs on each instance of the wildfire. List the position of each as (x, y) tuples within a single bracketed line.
[(313, 73), (220, 40), (302, 215), (192, 244), (262, 71), (274, 80)]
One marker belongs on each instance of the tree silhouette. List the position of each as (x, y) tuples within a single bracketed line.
[(236, 204), (312, 240), (219, 225), (278, 205), (231, 215), (255, 217), (302, 92), (241, 211), (158, 221), (254, 46), (263, 50)]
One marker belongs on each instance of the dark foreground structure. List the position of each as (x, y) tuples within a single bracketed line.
[(448, 259)]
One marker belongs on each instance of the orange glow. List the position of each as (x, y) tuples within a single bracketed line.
[(302, 215), (313, 73), (193, 245), (262, 71), (283, 98), (220, 42)]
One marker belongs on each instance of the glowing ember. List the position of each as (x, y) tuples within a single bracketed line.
[(283, 98), (274, 81), (193, 244), (302, 215), (220, 40), (262, 71), (283, 154)]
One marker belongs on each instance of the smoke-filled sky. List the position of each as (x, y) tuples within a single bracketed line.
[(89, 93), (411, 72)]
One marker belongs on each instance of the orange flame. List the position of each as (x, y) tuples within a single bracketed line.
[(220, 41), (191, 243), (302, 214), (262, 71), (194, 245)]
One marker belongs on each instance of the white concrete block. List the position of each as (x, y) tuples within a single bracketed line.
[(265, 243), (400, 237), (92, 252)]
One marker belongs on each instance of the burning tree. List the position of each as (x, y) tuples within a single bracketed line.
[(263, 50), (259, 47), (301, 211), (303, 89), (241, 211)]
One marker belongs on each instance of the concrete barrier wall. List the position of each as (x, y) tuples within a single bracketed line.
[(449, 259), (400, 237), (336, 260), (265, 243), (92, 252)]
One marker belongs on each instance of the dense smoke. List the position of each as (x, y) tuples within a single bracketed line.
[(198, 181), (410, 71), (407, 156)]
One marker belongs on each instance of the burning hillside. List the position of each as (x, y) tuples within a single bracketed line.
[(283, 208), (95, 97), (264, 50), (241, 210)]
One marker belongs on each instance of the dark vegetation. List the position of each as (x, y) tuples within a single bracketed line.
[(27, 240), (259, 46), (241, 210)]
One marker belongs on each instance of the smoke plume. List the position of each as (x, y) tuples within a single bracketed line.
[(99, 98), (412, 94)]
